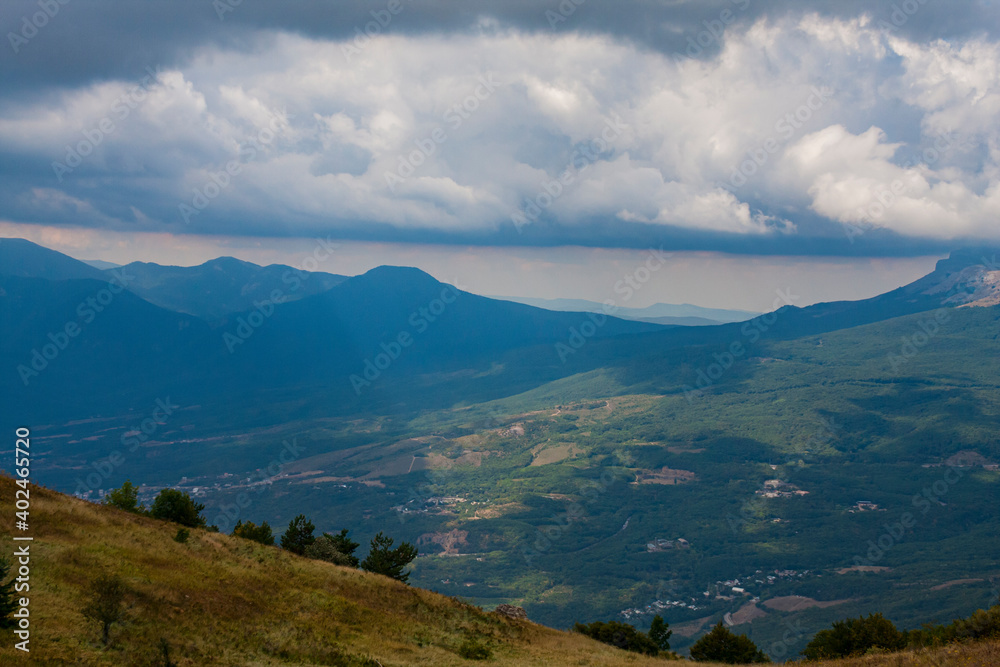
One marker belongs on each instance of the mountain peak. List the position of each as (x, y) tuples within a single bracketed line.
[(987, 257), (226, 262), (20, 257), (396, 275), (968, 277)]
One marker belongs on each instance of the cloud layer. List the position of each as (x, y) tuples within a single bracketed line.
[(789, 131)]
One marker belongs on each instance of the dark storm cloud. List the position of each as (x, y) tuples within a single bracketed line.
[(86, 40)]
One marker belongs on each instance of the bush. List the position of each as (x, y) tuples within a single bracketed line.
[(177, 506), (383, 559), (619, 635), (473, 650), (345, 545), (299, 535), (107, 603), (982, 624), (855, 636), (124, 498), (251, 531), (721, 645), (324, 548), (182, 535)]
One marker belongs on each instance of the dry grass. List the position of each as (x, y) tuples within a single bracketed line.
[(220, 600), (984, 654)]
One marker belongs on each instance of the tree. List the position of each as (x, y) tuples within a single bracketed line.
[(981, 624), (721, 645), (855, 636), (383, 559), (125, 498), (177, 506), (8, 602), (107, 604), (251, 531), (299, 535), (345, 545), (659, 632), (324, 548), (620, 635)]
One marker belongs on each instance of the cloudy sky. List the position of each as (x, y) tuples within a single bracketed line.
[(535, 147)]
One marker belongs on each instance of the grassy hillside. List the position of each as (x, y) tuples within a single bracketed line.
[(220, 600), (962, 655)]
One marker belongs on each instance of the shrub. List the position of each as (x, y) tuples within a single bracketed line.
[(383, 559), (299, 535), (177, 506), (982, 624), (124, 498), (182, 535), (345, 545), (473, 650), (620, 635), (855, 636), (324, 548), (721, 645), (251, 531), (107, 603)]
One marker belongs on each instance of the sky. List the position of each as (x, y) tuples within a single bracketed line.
[(535, 148)]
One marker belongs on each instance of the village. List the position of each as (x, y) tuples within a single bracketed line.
[(723, 590)]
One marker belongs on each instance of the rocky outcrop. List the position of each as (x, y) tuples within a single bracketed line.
[(510, 611)]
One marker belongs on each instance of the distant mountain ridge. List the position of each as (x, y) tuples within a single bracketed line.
[(660, 313), (100, 264), (25, 259), (174, 325), (222, 286), (203, 330)]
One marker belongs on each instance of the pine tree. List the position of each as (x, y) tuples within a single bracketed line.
[(345, 545), (383, 559), (299, 535), (659, 632)]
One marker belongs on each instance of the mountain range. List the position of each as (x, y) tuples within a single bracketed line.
[(539, 457)]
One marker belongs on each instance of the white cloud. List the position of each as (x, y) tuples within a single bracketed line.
[(486, 120), (852, 179)]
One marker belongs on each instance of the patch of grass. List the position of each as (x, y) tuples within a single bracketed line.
[(473, 650)]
